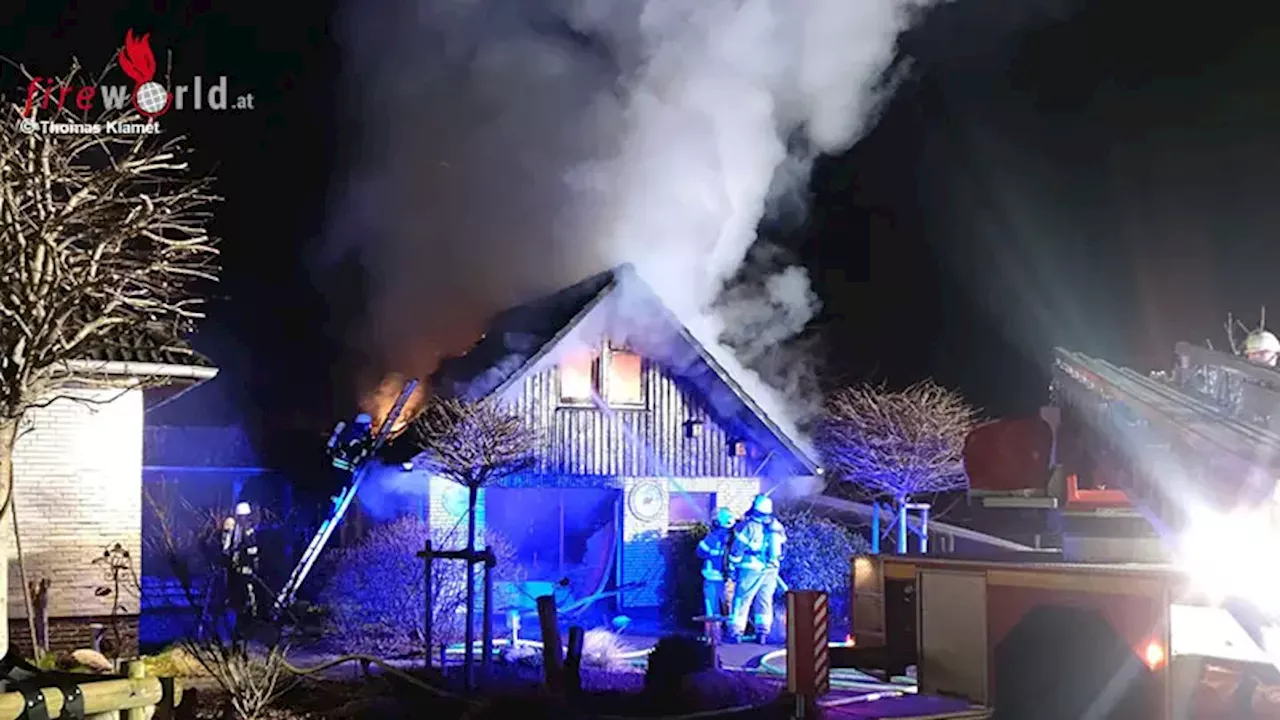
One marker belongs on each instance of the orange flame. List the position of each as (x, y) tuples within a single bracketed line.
[(136, 59), (1153, 655), (378, 402)]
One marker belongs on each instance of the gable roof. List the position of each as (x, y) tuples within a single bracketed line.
[(520, 338)]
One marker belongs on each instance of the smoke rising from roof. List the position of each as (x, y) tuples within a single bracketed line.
[(507, 149)]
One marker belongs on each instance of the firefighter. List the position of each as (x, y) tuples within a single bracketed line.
[(348, 444), (712, 551), (240, 555), (755, 556), (1262, 348)]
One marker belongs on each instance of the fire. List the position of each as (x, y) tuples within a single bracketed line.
[(1153, 655), (378, 402)]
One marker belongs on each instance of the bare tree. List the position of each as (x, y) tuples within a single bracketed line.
[(103, 240), (897, 443), (472, 443)]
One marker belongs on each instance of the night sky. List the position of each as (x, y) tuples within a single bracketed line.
[(1097, 174)]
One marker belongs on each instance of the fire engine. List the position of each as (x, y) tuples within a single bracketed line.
[(1153, 499)]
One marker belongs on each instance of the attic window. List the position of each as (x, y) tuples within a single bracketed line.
[(577, 378), (624, 382)]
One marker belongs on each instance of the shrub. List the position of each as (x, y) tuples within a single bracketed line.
[(817, 556), (603, 650), (375, 591), (680, 592)]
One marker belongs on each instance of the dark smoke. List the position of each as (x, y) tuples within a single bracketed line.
[(508, 149)]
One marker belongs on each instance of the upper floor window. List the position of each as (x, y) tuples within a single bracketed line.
[(616, 376), (624, 383), (578, 378)]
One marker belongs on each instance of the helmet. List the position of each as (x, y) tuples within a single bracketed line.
[(724, 517), (364, 419), (243, 509), (1261, 341), (762, 505)]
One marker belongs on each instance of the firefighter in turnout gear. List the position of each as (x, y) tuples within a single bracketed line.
[(240, 555), (712, 550), (755, 556), (350, 444)]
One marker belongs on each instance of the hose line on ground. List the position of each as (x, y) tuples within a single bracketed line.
[(870, 691)]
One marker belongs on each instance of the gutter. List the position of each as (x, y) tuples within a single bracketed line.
[(141, 369)]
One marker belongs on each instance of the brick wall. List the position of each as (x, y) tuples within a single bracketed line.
[(74, 633), (447, 509), (643, 527), (643, 531), (78, 489), (732, 492)]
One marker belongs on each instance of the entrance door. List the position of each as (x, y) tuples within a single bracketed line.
[(565, 540)]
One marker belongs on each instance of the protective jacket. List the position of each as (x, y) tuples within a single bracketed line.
[(240, 547), (712, 550), (757, 543)]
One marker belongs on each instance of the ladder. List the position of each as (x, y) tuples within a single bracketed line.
[(341, 503), (1190, 451)]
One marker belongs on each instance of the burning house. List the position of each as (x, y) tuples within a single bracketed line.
[(644, 432)]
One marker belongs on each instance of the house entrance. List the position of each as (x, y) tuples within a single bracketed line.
[(566, 540)]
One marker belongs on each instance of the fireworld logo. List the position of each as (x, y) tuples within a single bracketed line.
[(148, 96)]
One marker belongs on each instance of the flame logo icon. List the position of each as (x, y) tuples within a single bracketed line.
[(150, 98)]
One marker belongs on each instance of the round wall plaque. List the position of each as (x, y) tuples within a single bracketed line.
[(646, 500)]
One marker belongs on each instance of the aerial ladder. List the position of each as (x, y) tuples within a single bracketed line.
[(1200, 435), (358, 464)]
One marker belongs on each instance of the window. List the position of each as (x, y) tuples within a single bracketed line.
[(577, 379), (624, 384), (690, 508)]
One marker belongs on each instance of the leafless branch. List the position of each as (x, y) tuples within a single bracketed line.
[(472, 443), (1233, 323), (1230, 327), (103, 241), (252, 682), (898, 443)]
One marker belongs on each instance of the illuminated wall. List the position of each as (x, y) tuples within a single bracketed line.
[(447, 512), (78, 489), (647, 507)]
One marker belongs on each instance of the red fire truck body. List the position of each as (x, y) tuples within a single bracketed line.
[(1014, 635)]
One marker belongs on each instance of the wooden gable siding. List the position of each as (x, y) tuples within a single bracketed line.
[(631, 442)]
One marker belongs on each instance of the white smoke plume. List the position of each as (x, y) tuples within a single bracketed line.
[(507, 149)]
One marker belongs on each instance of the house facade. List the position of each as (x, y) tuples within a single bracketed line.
[(78, 470), (643, 430)]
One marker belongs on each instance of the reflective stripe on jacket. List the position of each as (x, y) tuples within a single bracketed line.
[(757, 543), (712, 550)]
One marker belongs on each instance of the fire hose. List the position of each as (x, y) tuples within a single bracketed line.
[(868, 691)]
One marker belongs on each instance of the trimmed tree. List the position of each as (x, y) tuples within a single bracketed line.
[(472, 443), (897, 445)]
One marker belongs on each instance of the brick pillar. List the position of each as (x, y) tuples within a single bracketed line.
[(646, 504), (447, 511)]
